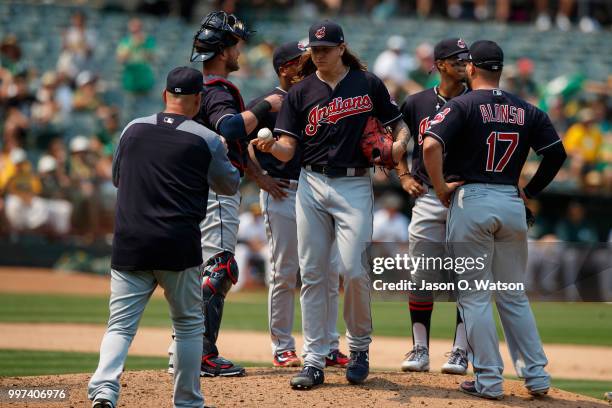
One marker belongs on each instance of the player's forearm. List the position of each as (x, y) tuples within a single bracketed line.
[(433, 159), (253, 170), (284, 148), (255, 115), (401, 136), (547, 170)]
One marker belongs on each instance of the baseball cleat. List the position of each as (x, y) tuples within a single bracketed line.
[(457, 363), (102, 403), (287, 359), (217, 366), (171, 363), (538, 392), (308, 378), (417, 360), (336, 359), (359, 367), (469, 387)]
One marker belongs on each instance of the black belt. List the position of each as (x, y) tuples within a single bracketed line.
[(338, 171)]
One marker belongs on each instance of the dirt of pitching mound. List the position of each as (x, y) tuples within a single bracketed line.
[(270, 387)]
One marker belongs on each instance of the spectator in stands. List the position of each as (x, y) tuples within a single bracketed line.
[(25, 211), (520, 80), (252, 250), (390, 225), (86, 96), (393, 64), (108, 130), (420, 78), (136, 53), (78, 45), (583, 141), (10, 54), (455, 9), (82, 173), (543, 21), (574, 227), (54, 192)]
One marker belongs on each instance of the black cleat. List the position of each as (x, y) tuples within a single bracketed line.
[(102, 403), (359, 367), (469, 387), (217, 366), (308, 378)]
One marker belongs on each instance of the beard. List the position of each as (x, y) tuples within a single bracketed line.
[(232, 66)]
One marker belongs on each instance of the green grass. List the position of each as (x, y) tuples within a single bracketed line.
[(29, 363), (595, 389), (566, 323)]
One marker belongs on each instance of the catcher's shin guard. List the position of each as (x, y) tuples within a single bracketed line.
[(220, 273)]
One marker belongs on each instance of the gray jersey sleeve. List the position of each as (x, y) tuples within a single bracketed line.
[(223, 177)]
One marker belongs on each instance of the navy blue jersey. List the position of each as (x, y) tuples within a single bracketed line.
[(163, 167), (486, 135), (329, 123), (418, 109), (221, 99), (275, 167)]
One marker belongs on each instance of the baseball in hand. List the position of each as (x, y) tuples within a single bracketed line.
[(265, 135)]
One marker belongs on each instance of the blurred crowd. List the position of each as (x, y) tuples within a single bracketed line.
[(59, 129)]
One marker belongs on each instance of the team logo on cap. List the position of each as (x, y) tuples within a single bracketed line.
[(320, 33), (302, 46), (461, 43)]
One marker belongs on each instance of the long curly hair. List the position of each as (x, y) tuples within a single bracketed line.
[(307, 67)]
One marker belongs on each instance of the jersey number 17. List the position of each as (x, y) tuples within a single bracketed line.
[(493, 140)]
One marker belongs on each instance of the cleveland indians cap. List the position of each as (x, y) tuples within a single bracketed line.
[(287, 52), (486, 55), (449, 48), (325, 33), (184, 81)]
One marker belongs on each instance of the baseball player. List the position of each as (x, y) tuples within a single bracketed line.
[(326, 114), (278, 182), (486, 135), (216, 46), (163, 169), (428, 224)]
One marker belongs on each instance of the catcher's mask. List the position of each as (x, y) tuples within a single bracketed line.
[(218, 30)]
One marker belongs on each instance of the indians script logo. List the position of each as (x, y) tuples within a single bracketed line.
[(320, 33), (335, 111), (461, 43)]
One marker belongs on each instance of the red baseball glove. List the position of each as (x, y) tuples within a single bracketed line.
[(377, 144)]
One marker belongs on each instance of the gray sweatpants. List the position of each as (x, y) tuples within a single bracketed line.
[(130, 292), (488, 221), (329, 209), (281, 229)]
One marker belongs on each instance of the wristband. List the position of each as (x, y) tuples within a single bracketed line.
[(406, 173), (261, 109)]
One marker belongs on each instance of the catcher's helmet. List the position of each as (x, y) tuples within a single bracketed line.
[(218, 30)]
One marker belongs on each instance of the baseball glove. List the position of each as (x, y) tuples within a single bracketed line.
[(530, 217), (377, 143)]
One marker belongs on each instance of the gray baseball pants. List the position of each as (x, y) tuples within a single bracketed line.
[(488, 220), (130, 292), (281, 228), (329, 209)]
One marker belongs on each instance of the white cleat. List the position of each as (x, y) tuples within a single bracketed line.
[(417, 360), (457, 363)]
